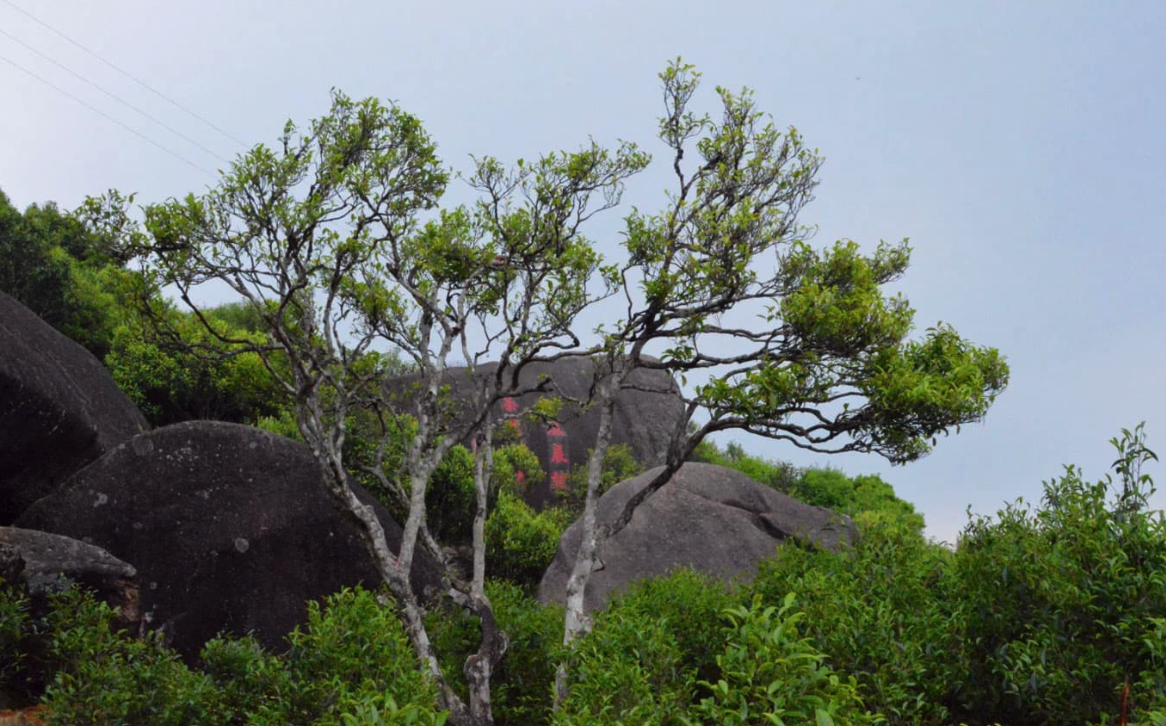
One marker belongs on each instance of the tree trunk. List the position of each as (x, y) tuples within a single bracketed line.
[(577, 623)]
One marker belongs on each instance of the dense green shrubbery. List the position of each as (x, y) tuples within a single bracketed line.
[(865, 498), (882, 612), (618, 464), (520, 543), (352, 664), (1066, 603)]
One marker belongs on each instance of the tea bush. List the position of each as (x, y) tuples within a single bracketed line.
[(769, 674), (883, 614), (1064, 602), (520, 543)]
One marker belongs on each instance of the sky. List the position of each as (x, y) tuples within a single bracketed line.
[(1020, 146)]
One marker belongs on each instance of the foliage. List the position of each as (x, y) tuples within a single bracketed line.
[(628, 669), (865, 498), (1064, 602), (509, 461), (63, 272), (14, 640), (451, 499), (522, 684), (352, 659), (175, 370), (884, 613), (351, 664), (105, 679), (618, 464), (771, 675), (520, 543)]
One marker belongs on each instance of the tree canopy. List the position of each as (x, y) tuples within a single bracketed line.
[(335, 242)]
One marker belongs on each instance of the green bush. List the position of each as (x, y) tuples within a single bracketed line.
[(352, 663), (520, 543), (883, 613), (106, 679), (523, 681), (772, 675), (618, 464), (512, 460), (189, 374), (628, 669), (451, 500), (352, 657), (15, 634), (1064, 603), (690, 607)]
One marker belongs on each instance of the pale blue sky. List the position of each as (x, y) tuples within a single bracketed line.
[(1021, 146)]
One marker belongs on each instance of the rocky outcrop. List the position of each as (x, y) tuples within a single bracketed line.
[(59, 409), (712, 519), (229, 527), (42, 564), (646, 414)]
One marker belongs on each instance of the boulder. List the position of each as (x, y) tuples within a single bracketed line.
[(229, 527), (646, 414), (712, 519), (59, 409), (41, 564)]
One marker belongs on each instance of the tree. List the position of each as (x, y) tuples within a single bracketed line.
[(330, 239), (333, 239), (827, 365)]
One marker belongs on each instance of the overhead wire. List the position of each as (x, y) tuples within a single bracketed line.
[(117, 98), (98, 111), (125, 73)]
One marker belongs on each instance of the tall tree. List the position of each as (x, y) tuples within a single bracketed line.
[(331, 239), (826, 363)]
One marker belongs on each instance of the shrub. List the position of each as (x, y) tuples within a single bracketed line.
[(1064, 602), (524, 680), (618, 464), (771, 675), (451, 498), (628, 669), (352, 657), (521, 543), (882, 613), (516, 469), (106, 679), (689, 605)]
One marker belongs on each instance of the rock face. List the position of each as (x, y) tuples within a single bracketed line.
[(59, 409), (43, 563), (645, 417), (229, 527), (712, 519)]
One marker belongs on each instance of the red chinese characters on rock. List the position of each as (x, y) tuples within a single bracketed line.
[(558, 480), (557, 455), (556, 430), (509, 405)]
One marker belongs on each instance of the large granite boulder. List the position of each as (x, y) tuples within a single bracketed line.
[(42, 564), (646, 414), (229, 527), (712, 519), (59, 409)]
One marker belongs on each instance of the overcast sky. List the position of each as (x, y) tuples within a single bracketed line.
[(1020, 145)]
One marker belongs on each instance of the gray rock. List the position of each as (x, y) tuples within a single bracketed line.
[(645, 416), (59, 409), (230, 529), (42, 564), (715, 520)]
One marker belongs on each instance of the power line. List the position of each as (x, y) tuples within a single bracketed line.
[(127, 74), (123, 102), (98, 111)]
